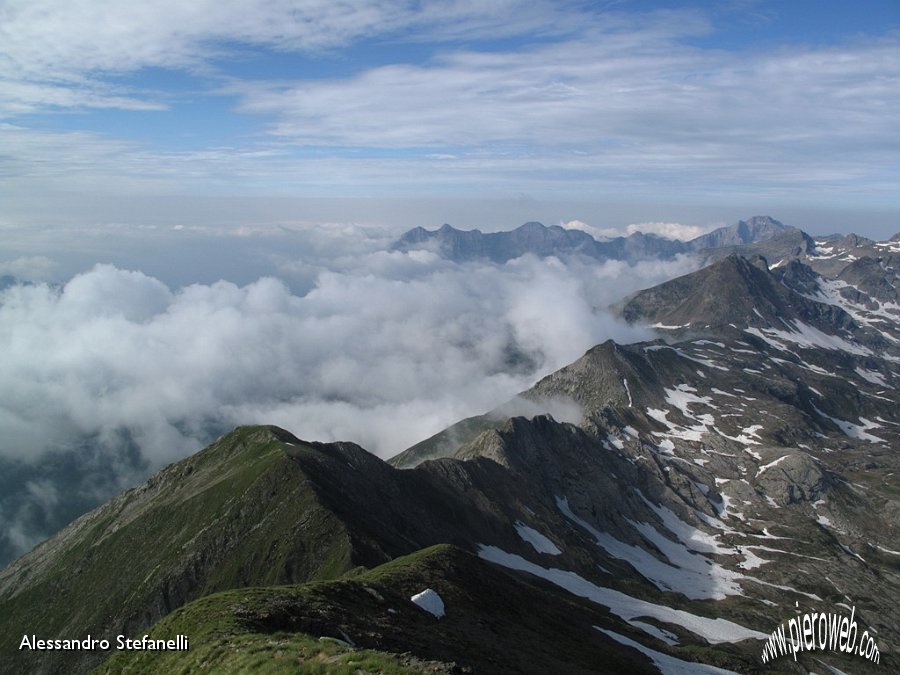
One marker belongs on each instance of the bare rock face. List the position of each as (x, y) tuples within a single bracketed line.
[(793, 478)]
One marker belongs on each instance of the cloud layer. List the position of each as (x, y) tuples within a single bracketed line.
[(386, 351), (115, 374)]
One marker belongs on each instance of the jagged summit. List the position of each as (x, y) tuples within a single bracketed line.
[(541, 240), (755, 229), (532, 237)]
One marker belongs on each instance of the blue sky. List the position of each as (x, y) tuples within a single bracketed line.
[(477, 113)]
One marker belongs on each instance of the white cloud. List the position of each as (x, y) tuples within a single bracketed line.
[(670, 230), (121, 374), (598, 233), (386, 351), (663, 229), (29, 268), (640, 97), (59, 54), (115, 374)]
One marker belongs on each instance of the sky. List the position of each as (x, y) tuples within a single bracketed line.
[(483, 114)]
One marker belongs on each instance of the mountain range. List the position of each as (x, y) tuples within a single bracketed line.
[(711, 484), (542, 241)]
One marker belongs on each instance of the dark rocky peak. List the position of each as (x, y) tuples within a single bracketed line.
[(798, 277), (543, 241), (760, 234), (876, 277), (415, 235), (598, 379), (759, 227), (726, 292), (734, 294)]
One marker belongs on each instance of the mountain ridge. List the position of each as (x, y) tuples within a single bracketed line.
[(542, 241)]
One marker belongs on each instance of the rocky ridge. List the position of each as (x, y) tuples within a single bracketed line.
[(542, 241)]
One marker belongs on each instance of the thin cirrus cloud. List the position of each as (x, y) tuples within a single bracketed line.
[(79, 43), (659, 104), (459, 98)]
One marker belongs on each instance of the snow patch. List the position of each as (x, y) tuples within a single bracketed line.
[(872, 376), (855, 430), (660, 634), (849, 551), (538, 541), (627, 391), (751, 560), (689, 573), (766, 467), (667, 447), (667, 664), (714, 631), (808, 336), (430, 601)]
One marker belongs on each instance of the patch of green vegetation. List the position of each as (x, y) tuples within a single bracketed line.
[(231, 632), (238, 513), (254, 653), (491, 625)]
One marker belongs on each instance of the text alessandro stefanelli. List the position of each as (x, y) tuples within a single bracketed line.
[(122, 643)]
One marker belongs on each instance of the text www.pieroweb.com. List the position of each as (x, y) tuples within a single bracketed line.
[(821, 631)]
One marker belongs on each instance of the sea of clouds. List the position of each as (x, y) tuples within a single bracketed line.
[(117, 373)]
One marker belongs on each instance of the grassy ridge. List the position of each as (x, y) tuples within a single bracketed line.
[(238, 513), (495, 622)]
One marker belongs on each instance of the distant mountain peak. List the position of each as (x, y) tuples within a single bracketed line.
[(754, 229), (763, 221), (541, 240)]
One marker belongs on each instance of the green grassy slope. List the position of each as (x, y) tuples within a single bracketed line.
[(239, 512), (495, 622)]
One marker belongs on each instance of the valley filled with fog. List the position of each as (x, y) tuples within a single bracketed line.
[(113, 372)]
